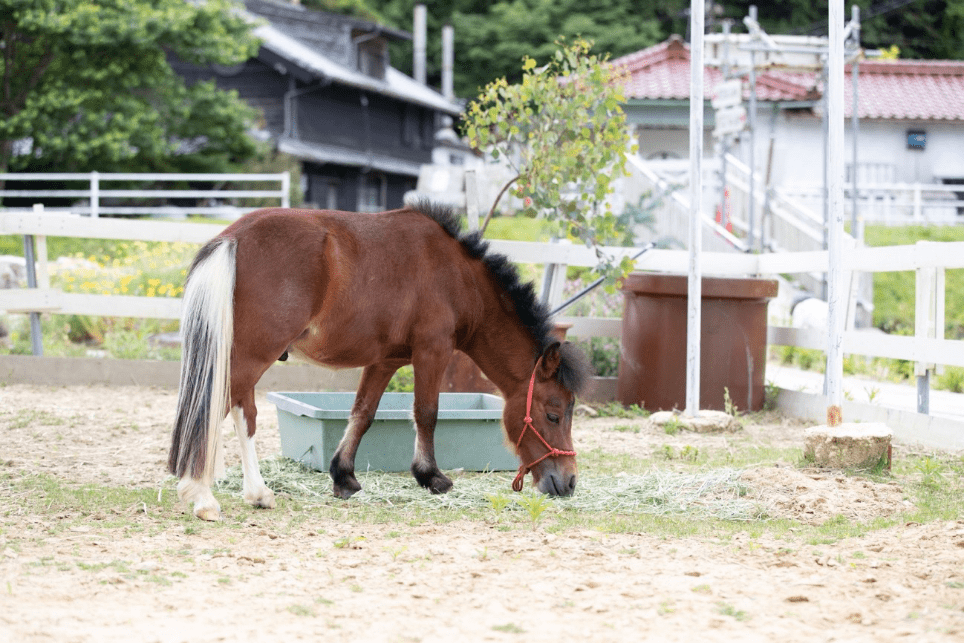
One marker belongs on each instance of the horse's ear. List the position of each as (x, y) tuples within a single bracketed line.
[(551, 359)]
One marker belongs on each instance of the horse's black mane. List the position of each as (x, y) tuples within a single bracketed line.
[(574, 370)]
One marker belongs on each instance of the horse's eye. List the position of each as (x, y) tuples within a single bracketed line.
[(553, 418)]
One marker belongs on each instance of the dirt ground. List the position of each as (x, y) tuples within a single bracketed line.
[(463, 581)]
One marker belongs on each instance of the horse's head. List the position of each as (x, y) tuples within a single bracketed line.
[(539, 420)]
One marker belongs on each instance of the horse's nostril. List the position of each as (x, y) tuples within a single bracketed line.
[(572, 483)]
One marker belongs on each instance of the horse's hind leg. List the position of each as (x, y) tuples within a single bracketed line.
[(342, 469), (254, 491)]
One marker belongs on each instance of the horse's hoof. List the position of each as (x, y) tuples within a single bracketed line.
[(263, 498), (208, 513), (432, 480), (346, 488), (440, 484)]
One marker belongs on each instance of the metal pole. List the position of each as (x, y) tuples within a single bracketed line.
[(826, 165), (837, 296), (695, 283), (855, 117), (750, 218), (419, 38), (724, 140), (36, 334)]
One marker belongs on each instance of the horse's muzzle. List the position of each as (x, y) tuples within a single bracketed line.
[(557, 484)]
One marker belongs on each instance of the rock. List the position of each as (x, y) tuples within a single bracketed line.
[(856, 445), (586, 410), (13, 271), (708, 421)]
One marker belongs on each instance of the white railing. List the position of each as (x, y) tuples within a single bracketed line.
[(893, 204), (927, 347), (670, 204), (96, 198)]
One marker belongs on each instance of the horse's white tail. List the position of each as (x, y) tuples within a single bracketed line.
[(207, 333)]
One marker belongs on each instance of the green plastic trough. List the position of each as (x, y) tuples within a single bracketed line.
[(468, 434)]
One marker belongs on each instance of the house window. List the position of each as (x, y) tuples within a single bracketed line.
[(371, 54), (411, 127), (372, 192)]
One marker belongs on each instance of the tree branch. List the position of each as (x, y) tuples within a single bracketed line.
[(496, 203)]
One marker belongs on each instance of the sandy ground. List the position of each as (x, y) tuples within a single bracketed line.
[(125, 574)]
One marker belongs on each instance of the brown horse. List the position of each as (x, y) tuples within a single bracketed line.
[(372, 290)]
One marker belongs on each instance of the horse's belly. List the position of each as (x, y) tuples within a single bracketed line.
[(344, 347)]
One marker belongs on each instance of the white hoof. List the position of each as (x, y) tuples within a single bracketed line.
[(207, 513), (261, 498), (205, 505)]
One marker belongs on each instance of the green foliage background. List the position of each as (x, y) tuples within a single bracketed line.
[(492, 37), (894, 292), (86, 85)]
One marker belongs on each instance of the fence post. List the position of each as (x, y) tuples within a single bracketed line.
[(918, 215), (553, 280), (472, 209), (36, 334), (286, 189), (95, 194), (926, 308)]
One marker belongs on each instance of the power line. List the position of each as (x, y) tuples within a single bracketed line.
[(820, 28)]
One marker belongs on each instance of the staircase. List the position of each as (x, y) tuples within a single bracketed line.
[(782, 223)]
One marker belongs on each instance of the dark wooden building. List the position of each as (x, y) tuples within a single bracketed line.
[(330, 97)]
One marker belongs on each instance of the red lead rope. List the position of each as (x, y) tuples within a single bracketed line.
[(525, 469)]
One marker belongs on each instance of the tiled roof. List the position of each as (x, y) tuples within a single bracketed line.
[(904, 89)]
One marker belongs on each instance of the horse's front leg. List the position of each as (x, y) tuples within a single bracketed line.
[(342, 469), (429, 371)]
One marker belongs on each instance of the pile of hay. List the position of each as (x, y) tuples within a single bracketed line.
[(716, 493)]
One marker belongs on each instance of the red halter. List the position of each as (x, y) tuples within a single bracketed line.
[(525, 469)]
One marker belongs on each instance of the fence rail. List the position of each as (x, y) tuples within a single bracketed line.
[(927, 348), (896, 204), (99, 200)]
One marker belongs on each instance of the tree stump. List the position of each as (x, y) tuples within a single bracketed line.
[(848, 445)]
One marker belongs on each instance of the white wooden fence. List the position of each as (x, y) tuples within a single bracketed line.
[(927, 347), (95, 198), (893, 204)]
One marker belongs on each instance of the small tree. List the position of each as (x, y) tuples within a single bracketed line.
[(562, 130)]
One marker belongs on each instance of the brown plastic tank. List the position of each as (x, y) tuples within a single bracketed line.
[(652, 361)]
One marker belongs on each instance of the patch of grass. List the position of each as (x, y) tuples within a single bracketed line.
[(894, 291), (730, 611), (32, 417), (509, 628), (618, 410), (301, 610)]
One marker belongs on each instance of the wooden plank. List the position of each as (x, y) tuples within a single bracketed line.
[(30, 300), (593, 327), (56, 372), (793, 337), (65, 225), (26, 300), (908, 427), (817, 261), (928, 350)]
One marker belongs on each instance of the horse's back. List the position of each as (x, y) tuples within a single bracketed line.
[(347, 286)]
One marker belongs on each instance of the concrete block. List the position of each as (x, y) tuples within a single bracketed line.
[(848, 445), (708, 421)]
